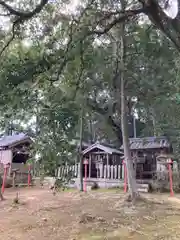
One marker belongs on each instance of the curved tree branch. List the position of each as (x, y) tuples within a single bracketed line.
[(168, 26), (122, 16), (10, 39), (20, 17), (23, 15), (93, 105)]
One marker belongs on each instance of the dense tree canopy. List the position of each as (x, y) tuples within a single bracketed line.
[(54, 63)]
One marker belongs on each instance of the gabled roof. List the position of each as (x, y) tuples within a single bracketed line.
[(102, 148), (13, 140), (148, 143)]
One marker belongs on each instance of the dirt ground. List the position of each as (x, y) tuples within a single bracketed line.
[(96, 215)]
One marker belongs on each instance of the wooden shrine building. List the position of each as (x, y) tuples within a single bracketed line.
[(145, 153), (98, 156), (15, 150), (105, 162)]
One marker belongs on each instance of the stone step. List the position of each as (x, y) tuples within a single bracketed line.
[(143, 187)]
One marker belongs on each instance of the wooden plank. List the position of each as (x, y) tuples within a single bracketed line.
[(122, 171), (112, 172), (143, 190), (58, 172), (108, 171), (119, 172), (101, 170), (115, 171), (107, 159), (70, 169), (143, 185), (105, 171), (73, 169), (78, 169), (175, 166)]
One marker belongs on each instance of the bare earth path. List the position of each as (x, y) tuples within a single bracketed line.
[(96, 215)]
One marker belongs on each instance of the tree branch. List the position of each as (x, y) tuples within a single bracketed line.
[(10, 39), (20, 18), (168, 26), (109, 119), (123, 16), (22, 14)]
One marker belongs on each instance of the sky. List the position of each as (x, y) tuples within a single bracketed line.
[(72, 6), (172, 8)]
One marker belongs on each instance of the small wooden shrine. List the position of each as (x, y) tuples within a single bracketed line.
[(101, 155), (15, 150), (145, 152)]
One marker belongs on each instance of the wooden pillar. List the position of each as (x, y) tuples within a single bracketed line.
[(108, 167), (90, 159), (134, 155), (107, 159), (78, 170), (96, 159), (122, 171), (101, 170), (98, 165), (105, 171)]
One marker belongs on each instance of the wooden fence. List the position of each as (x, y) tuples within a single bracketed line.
[(62, 171), (102, 171)]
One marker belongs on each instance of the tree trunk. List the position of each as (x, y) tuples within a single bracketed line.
[(1, 195), (132, 187), (80, 150), (91, 128), (153, 117)]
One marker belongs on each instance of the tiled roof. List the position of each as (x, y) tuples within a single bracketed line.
[(102, 148), (148, 143), (11, 140)]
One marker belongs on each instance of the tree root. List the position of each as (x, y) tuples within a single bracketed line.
[(133, 198)]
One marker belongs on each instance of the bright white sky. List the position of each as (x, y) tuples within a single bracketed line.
[(171, 9), (72, 6)]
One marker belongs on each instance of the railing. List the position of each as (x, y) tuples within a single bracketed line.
[(101, 171), (104, 172), (110, 171), (62, 171)]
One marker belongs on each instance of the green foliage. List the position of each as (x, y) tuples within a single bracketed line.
[(44, 85)]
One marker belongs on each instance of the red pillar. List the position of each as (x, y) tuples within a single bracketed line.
[(4, 178), (85, 175), (170, 178), (29, 175)]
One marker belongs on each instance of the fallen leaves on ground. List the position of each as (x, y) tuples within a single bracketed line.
[(94, 215)]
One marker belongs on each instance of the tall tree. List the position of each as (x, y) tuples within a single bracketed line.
[(124, 124)]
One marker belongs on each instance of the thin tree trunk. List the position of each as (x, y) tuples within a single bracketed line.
[(1, 182), (127, 154), (153, 117), (80, 150), (91, 128)]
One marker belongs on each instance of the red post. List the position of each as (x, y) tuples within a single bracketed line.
[(170, 178), (85, 175), (4, 177), (29, 175), (125, 177)]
